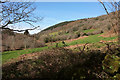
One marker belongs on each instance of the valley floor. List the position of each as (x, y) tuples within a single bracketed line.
[(97, 40)]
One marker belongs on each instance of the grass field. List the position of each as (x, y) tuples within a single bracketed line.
[(14, 54), (91, 39), (89, 30)]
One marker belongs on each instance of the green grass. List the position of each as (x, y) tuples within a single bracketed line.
[(91, 39), (14, 54), (54, 33), (89, 30)]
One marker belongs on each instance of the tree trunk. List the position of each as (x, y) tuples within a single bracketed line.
[(119, 23)]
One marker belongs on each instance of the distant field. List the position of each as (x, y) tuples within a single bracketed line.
[(91, 39)]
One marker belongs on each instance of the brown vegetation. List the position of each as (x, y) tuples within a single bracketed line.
[(60, 63), (17, 41)]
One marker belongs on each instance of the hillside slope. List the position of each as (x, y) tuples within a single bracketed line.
[(74, 29), (59, 32)]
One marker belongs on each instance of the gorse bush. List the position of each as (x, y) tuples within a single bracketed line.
[(111, 65), (81, 70), (96, 18), (64, 64)]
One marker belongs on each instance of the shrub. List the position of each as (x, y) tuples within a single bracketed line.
[(101, 19), (61, 63), (109, 27), (97, 18), (111, 64), (39, 44), (81, 25), (84, 28), (90, 27), (90, 33), (80, 21), (75, 28), (46, 40), (56, 64), (59, 33), (78, 34), (83, 34), (67, 31), (97, 32)]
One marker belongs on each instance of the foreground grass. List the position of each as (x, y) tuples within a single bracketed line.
[(61, 63)]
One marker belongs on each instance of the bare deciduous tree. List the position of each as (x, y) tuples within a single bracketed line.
[(112, 5), (17, 12)]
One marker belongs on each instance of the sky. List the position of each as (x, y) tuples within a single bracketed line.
[(56, 12), (59, 0)]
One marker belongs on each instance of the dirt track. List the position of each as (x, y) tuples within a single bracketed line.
[(107, 35)]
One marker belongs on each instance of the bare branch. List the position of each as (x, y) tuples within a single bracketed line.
[(3, 1), (114, 6), (84, 47), (104, 6), (20, 30), (17, 12)]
